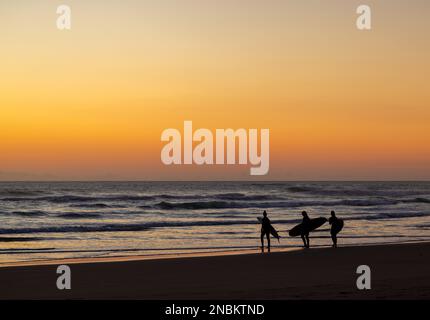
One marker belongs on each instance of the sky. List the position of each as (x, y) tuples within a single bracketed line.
[(91, 103)]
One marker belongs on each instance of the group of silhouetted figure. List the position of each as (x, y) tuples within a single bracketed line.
[(303, 229)]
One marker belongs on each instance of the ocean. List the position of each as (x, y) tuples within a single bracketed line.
[(49, 220)]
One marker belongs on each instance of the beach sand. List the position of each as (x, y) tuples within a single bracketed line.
[(400, 271)]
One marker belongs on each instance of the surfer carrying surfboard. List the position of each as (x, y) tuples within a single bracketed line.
[(306, 226), (336, 227), (266, 230)]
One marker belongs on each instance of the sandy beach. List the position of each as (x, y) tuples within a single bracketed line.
[(399, 271)]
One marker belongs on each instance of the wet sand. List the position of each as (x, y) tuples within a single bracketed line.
[(400, 271)]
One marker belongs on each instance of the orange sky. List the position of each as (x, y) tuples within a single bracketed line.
[(91, 103)]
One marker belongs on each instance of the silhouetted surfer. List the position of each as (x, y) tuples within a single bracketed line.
[(265, 231), (306, 225), (336, 226)]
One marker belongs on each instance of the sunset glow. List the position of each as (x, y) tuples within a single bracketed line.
[(92, 102)]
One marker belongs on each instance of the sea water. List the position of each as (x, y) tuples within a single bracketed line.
[(47, 220)]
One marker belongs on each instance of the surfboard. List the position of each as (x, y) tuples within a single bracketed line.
[(337, 226), (311, 226), (273, 231)]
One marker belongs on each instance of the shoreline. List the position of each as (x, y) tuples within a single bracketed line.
[(399, 271), (194, 254), (161, 256)]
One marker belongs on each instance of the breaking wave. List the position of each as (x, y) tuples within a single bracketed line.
[(126, 227), (197, 205)]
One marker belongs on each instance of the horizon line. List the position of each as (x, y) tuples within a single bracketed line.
[(248, 181)]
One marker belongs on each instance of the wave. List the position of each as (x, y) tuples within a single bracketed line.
[(19, 192), (367, 202), (19, 239), (174, 224), (221, 200), (129, 227), (174, 196), (73, 215), (34, 213), (417, 200), (197, 205), (84, 198), (94, 205), (391, 215), (244, 197), (357, 191), (299, 189), (75, 198), (422, 226)]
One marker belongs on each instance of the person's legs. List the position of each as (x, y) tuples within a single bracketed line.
[(268, 241), (307, 240), (334, 238), (262, 241), (304, 240)]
